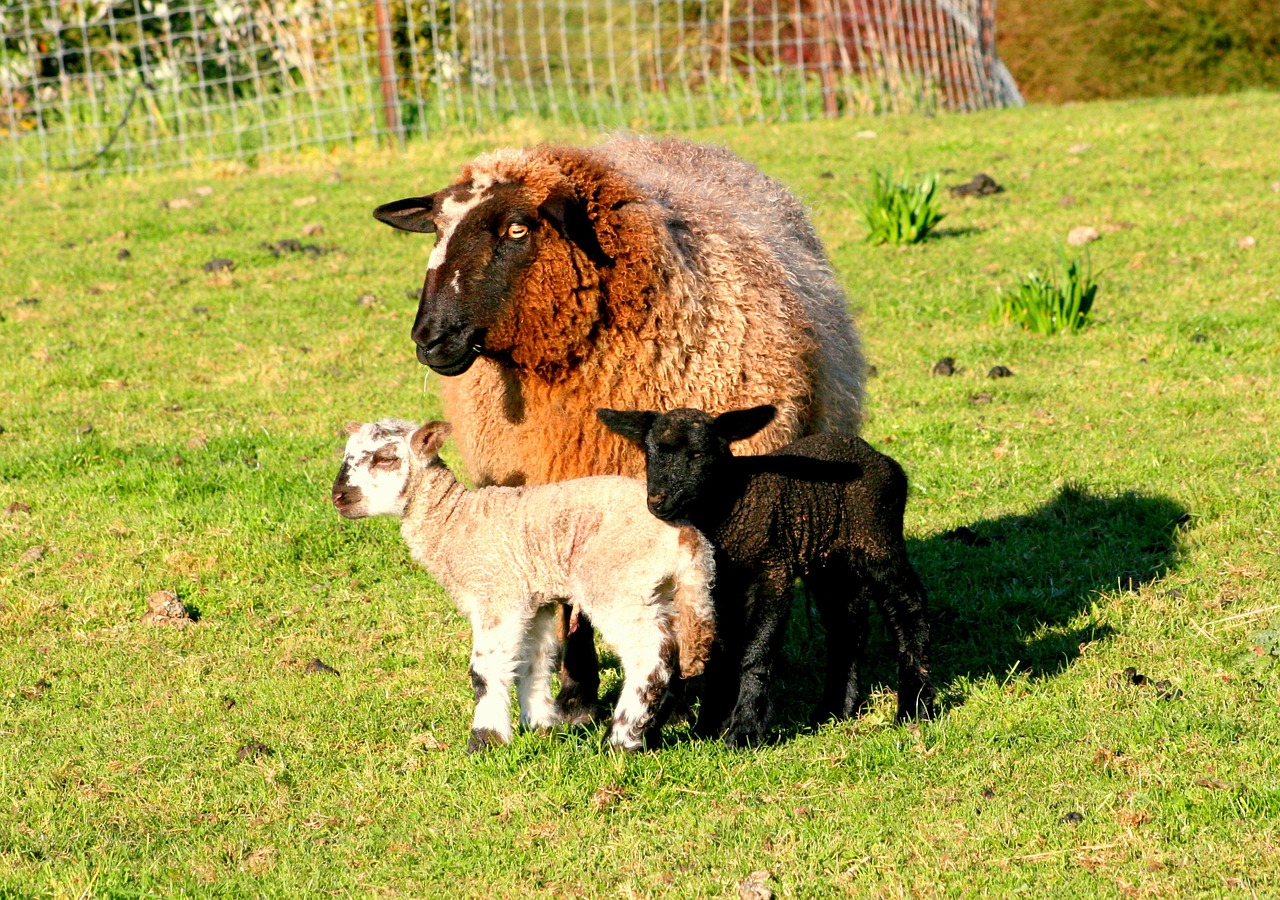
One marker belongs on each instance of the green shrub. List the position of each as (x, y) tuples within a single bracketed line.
[(900, 212), (1045, 304), (1061, 50)]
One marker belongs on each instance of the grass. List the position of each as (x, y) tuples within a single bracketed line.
[(1046, 305), (900, 211), (1119, 493)]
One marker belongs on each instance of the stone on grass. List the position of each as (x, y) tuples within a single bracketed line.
[(164, 608), (1081, 235)]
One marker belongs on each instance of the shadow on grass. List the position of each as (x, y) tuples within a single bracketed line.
[(1005, 595), (938, 234)]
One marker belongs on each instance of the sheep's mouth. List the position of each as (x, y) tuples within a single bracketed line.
[(667, 510), (450, 358), (348, 501)]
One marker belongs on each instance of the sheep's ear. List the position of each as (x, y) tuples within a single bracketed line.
[(632, 424), (427, 440), (568, 215), (743, 423), (352, 427), (409, 214)]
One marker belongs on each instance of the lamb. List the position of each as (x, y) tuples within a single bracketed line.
[(636, 274), (509, 557), (827, 509)]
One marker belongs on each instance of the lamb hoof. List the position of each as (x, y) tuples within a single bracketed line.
[(921, 708), (744, 736), (624, 747), (482, 739), (576, 708)]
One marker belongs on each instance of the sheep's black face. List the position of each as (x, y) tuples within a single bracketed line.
[(486, 236), (686, 454), (683, 455)]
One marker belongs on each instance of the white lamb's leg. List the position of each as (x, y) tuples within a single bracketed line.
[(649, 655), (533, 681), (495, 657)]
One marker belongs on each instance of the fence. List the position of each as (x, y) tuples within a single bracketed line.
[(123, 85)]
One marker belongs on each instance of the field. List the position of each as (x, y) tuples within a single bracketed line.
[(168, 428)]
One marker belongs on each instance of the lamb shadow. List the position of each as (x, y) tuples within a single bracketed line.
[(1009, 594)]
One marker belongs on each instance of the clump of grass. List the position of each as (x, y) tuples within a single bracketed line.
[(1047, 304), (900, 211)]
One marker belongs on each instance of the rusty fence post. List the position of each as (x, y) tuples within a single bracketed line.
[(387, 69)]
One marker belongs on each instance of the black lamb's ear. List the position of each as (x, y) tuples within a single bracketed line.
[(632, 424), (743, 423), (409, 214)]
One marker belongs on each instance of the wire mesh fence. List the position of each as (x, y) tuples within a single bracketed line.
[(124, 85)]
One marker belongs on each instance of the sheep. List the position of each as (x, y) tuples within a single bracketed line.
[(827, 509), (509, 557), (638, 273)]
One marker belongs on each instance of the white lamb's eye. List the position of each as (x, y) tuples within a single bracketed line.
[(515, 230)]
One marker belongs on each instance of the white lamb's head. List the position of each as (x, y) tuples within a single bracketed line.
[(378, 462)]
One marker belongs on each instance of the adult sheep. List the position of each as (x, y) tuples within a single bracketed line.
[(638, 274)]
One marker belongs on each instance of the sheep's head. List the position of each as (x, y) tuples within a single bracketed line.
[(515, 256), (685, 451), (378, 462)]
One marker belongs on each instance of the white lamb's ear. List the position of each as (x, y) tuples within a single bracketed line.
[(352, 427), (427, 440)]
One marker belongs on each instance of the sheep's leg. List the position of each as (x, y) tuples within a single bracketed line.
[(577, 703), (842, 599), (533, 680), (495, 655), (720, 683), (904, 603), (650, 657), (769, 607)]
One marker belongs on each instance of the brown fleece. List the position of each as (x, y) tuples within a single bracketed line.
[(699, 283)]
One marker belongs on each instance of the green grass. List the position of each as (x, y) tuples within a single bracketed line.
[(1122, 486), (1046, 304)]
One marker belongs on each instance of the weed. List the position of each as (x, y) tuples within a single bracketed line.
[(900, 212), (1047, 305)]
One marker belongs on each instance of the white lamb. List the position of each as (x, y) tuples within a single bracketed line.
[(510, 556)]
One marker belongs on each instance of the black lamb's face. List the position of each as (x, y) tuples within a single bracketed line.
[(486, 236), (685, 453), (682, 453)]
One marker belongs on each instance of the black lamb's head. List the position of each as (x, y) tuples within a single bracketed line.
[(686, 452)]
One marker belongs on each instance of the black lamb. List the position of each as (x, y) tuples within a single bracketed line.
[(826, 509)]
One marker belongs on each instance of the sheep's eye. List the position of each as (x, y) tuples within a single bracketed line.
[(384, 461), (515, 231)]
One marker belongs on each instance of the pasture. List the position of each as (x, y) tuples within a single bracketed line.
[(1108, 688)]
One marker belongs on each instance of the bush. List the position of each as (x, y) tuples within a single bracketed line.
[(1060, 50), (1046, 305), (899, 212)]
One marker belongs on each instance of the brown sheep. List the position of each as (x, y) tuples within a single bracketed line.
[(639, 274)]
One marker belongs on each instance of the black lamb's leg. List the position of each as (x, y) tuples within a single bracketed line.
[(768, 609), (905, 606), (577, 703), (842, 598)]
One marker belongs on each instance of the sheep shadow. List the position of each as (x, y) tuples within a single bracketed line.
[(1006, 594)]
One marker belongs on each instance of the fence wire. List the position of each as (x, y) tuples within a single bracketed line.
[(127, 85)]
